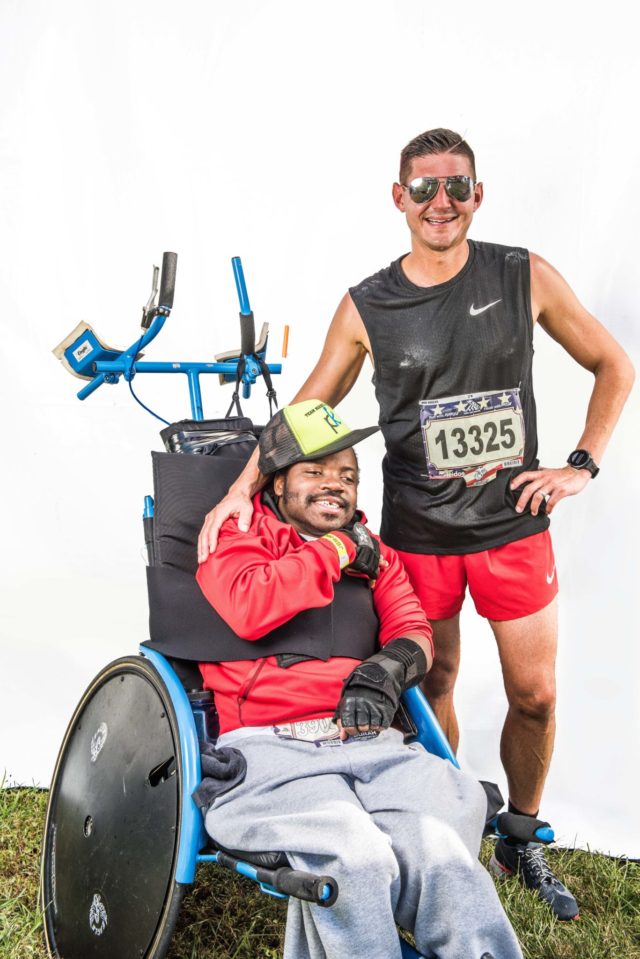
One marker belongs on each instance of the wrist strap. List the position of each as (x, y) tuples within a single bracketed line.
[(341, 549), (410, 654)]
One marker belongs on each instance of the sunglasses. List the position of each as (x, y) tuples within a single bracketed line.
[(424, 188)]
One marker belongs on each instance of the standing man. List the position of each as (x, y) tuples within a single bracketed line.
[(449, 328)]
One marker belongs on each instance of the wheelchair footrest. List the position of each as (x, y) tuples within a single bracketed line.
[(322, 890)]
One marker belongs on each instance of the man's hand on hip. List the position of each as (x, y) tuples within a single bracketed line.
[(548, 485)]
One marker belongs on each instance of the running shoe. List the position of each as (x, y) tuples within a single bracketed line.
[(527, 861)]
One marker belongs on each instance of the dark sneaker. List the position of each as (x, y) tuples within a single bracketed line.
[(528, 862)]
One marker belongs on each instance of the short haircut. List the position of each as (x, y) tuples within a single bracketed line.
[(432, 142)]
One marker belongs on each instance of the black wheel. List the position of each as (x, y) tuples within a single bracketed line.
[(111, 837)]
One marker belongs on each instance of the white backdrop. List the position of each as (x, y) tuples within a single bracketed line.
[(272, 130)]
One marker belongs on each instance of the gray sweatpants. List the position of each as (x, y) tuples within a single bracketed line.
[(398, 828)]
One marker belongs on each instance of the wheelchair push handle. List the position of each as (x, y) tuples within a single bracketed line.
[(247, 325), (168, 280)]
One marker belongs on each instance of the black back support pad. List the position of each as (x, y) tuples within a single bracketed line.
[(183, 624), (185, 489)]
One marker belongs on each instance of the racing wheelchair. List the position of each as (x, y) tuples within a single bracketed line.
[(124, 833)]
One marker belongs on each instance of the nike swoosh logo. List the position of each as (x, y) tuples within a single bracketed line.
[(551, 578), (474, 312)]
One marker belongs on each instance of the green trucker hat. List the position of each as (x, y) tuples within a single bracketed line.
[(302, 432)]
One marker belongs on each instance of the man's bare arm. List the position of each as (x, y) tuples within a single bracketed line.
[(559, 312), (343, 354), (333, 376)]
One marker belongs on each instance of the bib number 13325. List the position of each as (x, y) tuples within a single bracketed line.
[(473, 436)]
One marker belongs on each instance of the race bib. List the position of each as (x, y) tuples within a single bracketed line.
[(309, 731), (473, 436)]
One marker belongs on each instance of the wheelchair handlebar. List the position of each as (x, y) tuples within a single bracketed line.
[(247, 326), (523, 828), (247, 334), (92, 386), (323, 890), (168, 280), (241, 286), (87, 355)]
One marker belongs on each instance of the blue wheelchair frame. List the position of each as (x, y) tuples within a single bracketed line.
[(193, 838), (86, 356), (107, 366)]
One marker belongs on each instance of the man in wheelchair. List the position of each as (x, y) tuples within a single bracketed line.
[(328, 634)]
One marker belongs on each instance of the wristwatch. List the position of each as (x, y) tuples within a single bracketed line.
[(581, 460)]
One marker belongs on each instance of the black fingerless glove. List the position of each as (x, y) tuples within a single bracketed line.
[(371, 693), (367, 558)]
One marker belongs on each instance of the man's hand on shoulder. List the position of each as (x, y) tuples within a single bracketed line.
[(547, 485), (235, 503)]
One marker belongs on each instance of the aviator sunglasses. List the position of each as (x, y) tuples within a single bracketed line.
[(424, 188)]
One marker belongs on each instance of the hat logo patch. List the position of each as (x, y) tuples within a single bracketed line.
[(331, 419)]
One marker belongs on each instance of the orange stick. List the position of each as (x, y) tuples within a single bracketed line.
[(285, 342)]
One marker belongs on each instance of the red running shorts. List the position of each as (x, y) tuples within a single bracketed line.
[(507, 582)]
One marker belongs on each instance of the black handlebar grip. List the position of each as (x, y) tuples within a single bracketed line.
[(304, 885), (247, 334), (168, 279), (522, 828)]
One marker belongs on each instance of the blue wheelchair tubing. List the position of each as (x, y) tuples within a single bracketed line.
[(192, 833), (110, 370), (192, 836), (430, 732)]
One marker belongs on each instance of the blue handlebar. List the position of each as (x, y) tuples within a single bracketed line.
[(92, 386), (241, 286), (545, 834), (87, 355)]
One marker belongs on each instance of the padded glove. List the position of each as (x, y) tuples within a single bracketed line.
[(371, 692), (367, 559)]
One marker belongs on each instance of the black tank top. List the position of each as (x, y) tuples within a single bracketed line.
[(453, 379)]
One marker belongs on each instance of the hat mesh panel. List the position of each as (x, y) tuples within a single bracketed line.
[(278, 446)]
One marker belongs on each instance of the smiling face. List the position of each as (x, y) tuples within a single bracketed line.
[(439, 224), (320, 496)]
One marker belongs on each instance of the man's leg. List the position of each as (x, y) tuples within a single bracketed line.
[(434, 815), (439, 683), (297, 797), (527, 649), (514, 587)]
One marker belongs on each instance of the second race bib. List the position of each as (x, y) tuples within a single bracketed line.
[(473, 436)]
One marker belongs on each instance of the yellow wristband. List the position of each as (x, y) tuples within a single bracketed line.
[(341, 549)]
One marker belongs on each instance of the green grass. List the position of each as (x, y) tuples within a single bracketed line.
[(228, 918)]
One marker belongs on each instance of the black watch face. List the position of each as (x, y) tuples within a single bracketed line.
[(579, 458)]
